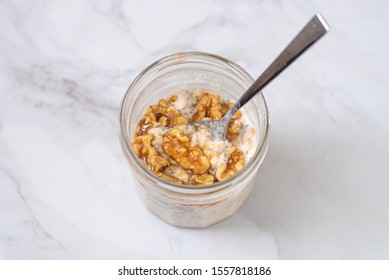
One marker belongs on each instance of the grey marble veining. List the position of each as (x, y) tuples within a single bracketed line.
[(66, 191)]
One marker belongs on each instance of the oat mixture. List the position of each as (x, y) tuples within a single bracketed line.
[(172, 147)]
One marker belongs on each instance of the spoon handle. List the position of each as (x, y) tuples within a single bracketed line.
[(312, 32)]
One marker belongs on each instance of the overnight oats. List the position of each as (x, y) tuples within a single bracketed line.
[(183, 175), (170, 144)]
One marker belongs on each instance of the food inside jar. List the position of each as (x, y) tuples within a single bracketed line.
[(171, 146)]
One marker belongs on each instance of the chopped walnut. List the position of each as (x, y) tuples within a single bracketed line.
[(205, 179), (235, 125), (230, 150), (226, 107), (233, 130), (175, 143), (142, 145), (172, 99), (177, 173), (163, 121), (208, 106), (158, 163), (164, 114), (175, 117), (177, 146), (167, 177), (234, 164), (144, 150), (142, 128), (195, 161), (149, 116)]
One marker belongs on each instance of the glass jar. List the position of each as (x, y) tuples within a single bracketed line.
[(186, 205)]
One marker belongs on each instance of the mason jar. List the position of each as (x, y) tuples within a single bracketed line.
[(195, 206)]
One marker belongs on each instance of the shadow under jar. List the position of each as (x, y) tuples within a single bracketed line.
[(193, 206)]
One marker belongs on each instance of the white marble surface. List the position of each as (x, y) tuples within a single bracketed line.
[(66, 191)]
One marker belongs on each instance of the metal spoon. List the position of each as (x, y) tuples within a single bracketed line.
[(314, 29)]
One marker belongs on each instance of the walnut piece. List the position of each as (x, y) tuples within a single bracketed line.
[(169, 178), (176, 145), (234, 164), (142, 145), (208, 106), (205, 179), (233, 130), (145, 151), (142, 128), (226, 107), (157, 163), (165, 114), (234, 125), (177, 173)]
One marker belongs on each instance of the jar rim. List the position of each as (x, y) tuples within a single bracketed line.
[(125, 140)]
